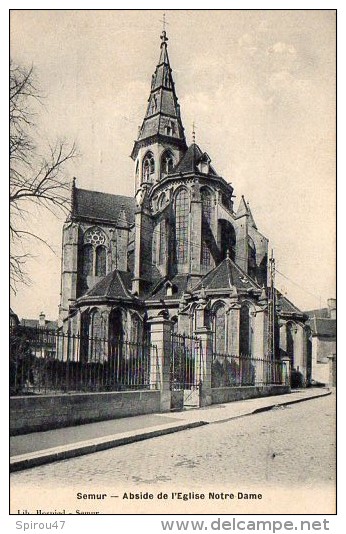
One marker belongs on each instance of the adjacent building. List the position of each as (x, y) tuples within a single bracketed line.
[(322, 323)]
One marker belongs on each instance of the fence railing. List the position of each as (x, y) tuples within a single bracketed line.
[(245, 370), (44, 361), (186, 361)]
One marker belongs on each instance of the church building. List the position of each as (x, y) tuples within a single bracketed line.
[(179, 249)]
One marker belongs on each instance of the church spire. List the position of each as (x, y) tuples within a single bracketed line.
[(162, 121)]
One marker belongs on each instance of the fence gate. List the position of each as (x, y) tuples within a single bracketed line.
[(186, 371)]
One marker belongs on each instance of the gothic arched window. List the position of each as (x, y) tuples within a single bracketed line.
[(167, 164), (207, 209), (226, 239), (136, 329), (148, 166), (94, 253), (290, 342), (181, 225), (87, 260), (245, 331), (101, 261), (137, 175), (251, 258), (220, 328), (162, 242), (94, 236), (95, 336), (161, 202)]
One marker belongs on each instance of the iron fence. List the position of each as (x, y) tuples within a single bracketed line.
[(186, 362), (45, 361), (245, 370)]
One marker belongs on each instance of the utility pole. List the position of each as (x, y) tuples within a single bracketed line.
[(271, 309)]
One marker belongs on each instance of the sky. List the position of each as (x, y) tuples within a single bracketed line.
[(260, 87)]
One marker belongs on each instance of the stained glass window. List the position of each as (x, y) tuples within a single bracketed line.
[(94, 240), (245, 331), (162, 243), (181, 225), (206, 231), (94, 236), (87, 260), (220, 329), (101, 261)]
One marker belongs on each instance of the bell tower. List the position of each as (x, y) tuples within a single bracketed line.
[(161, 139), (157, 151)]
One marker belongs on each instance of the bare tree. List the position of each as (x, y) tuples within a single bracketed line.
[(35, 180)]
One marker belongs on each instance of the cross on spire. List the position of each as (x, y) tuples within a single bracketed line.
[(193, 132), (163, 35), (164, 22)]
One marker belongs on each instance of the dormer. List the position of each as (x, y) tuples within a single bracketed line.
[(203, 164)]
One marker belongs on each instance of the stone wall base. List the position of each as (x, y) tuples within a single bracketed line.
[(230, 394), (47, 412)]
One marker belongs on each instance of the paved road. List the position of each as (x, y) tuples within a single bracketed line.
[(291, 446)]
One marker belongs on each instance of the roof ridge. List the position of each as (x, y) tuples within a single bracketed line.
[(103, 193), (229, 270), (113, 273), (243, 273), (122, 284)]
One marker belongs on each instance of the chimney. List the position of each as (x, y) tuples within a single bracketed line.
[(332, 308), (42, 319)]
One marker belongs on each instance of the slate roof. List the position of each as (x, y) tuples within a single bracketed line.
[(102, 206), (117, 284), (285, 305), (190, 160), (226, 276), (323, 313), (323, 327), (34, 323), (180, 284)]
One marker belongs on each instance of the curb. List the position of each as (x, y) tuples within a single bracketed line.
[(271, 407), (35, 459), (26, 461), (267, 408)]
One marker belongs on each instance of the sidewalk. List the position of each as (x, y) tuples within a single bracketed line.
[(31, 450)]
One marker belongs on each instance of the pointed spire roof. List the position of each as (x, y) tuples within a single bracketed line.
[(162, 118), (251, 219), (242, 208)]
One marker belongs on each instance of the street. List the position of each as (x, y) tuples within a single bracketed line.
[(288, 447)]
